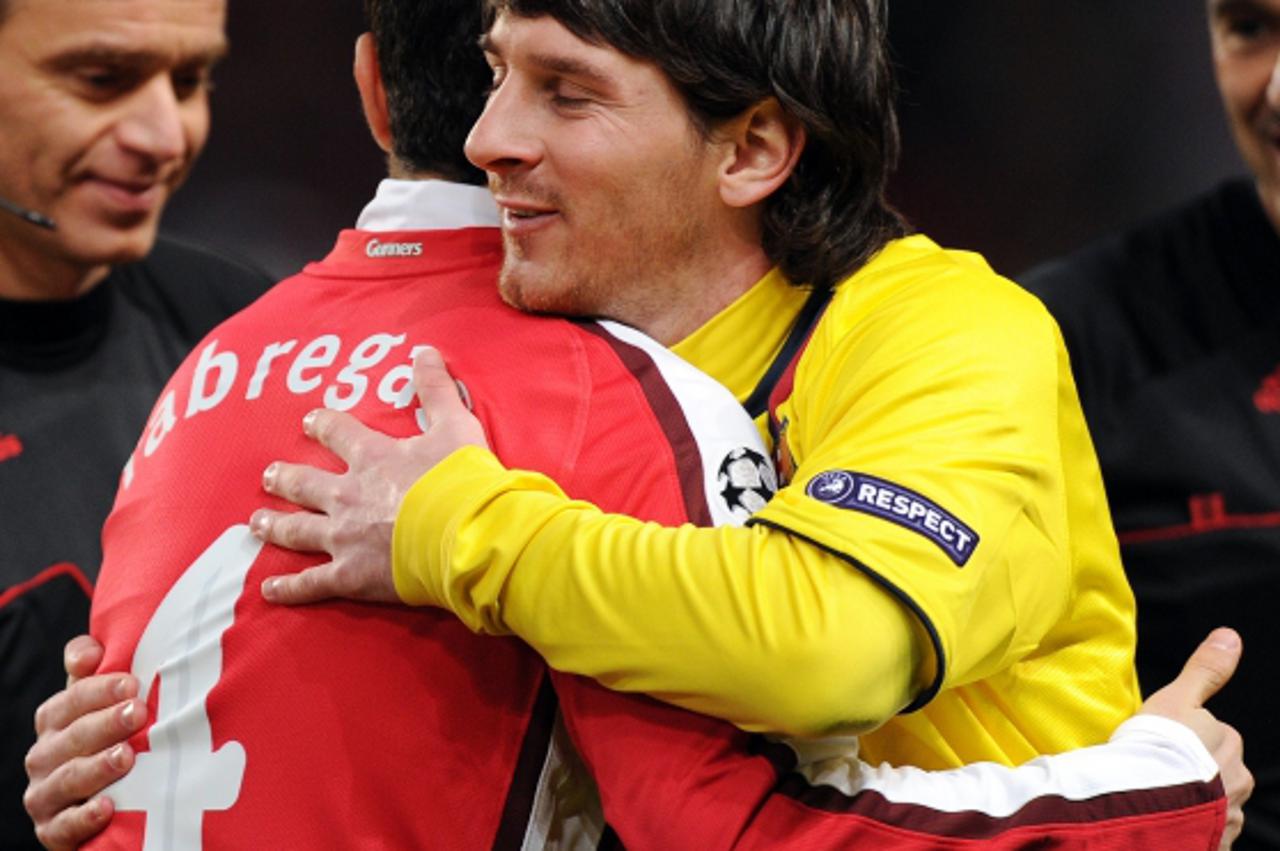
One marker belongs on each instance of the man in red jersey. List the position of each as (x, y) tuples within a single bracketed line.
[(257, 738)]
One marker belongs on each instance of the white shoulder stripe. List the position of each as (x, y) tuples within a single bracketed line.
[(719, 423)]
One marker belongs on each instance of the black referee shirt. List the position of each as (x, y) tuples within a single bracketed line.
[(77, 382)]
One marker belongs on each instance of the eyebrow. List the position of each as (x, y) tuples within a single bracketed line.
[(1219, 8), (108, 54), (567, 66)]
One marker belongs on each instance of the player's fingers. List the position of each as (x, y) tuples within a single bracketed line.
[(82, 697), (81, 657), (1206, 671), (340, 433), (1238, 782), (302, 485), (75, 781), (438, 393), (1233, 828), (309, 586), (94, 733), (303, 531), (1236, 777), (74, 826), (1210, 666)]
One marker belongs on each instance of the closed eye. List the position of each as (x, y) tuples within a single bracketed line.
[(566, 95), (104, 81)]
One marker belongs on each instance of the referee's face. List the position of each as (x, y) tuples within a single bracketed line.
[(104, 108), (1246, 58), (608, 193)]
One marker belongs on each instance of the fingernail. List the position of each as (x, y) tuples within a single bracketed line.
[(309, 421), (98, 809), (268, 587), (259, 524), (121, 689), (115, 757), (464, 394), (1225, 640), (129, 715), (269, 475)]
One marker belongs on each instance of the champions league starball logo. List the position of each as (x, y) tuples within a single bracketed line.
[(746, 481)]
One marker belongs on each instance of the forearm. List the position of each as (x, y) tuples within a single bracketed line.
[(750, 625)]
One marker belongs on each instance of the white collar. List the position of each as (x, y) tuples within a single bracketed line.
[(428, 205)]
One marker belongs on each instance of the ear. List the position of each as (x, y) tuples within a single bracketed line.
[(373, 97), (766, 144)]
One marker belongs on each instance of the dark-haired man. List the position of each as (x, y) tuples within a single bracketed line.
[(714, 175), (1173, 337), (104, 109), (267, 746)]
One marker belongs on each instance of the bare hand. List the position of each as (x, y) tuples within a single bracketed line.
[(1205, 673), (80, 748), (353, 513)]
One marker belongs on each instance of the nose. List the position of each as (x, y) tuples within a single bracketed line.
[(153, 125), (504, 138)]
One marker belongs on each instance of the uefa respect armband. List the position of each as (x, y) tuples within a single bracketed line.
[(897, 504)]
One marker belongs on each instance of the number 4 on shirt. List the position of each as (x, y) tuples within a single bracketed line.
[(181, 777)]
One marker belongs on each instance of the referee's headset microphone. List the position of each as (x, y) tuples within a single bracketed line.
[(27, 215)]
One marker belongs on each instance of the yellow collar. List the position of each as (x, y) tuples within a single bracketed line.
[(737, 345)]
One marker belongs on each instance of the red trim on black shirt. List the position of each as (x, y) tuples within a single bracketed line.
[(45, 576)]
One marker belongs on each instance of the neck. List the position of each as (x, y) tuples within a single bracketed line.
[(29, 274), (701, 295), (399, 170), (709, 281)]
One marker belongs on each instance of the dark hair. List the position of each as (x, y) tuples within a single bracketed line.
[(435, 78), (826, 61)]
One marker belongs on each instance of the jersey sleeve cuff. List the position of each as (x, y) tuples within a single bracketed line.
[(427, 522), (1178, 741), (460, 532)]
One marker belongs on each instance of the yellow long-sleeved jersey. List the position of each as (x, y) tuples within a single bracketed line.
[(944, 538)]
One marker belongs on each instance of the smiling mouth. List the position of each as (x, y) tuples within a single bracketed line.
[(521, 221), (134, 198)]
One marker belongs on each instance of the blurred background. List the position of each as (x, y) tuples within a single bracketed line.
[(1029, 126)]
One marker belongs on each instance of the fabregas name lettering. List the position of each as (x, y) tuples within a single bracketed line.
[(300, 368)]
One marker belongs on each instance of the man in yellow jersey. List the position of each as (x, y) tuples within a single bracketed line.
[(939, 571)]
